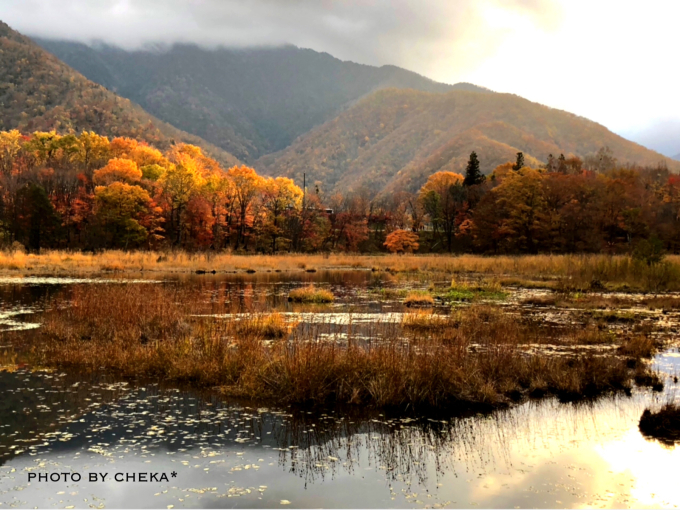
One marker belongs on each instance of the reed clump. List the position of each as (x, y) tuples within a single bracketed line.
[(418, 298), (310, 294), (662, 424), (472, 358)]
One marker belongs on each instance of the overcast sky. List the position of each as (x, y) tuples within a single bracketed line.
[(613, 61)]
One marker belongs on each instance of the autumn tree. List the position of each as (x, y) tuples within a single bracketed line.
[(120, 209), (95, 150), (442, 197), (518, 204), (280, 196), (247, 185), (178, 183), (10, 146), (118, 170), (402, 241)]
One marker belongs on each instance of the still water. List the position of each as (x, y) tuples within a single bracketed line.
[(235, 454)]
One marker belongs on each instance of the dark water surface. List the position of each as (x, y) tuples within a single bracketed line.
[(228, 454)]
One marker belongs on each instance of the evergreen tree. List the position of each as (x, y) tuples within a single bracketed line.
[(520, 162), (37, 221), (472, 174)]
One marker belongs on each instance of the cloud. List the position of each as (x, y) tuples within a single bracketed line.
[(420, 35)]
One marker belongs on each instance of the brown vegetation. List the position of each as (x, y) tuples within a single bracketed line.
[(471, 358), (663, 424), (419, 298)]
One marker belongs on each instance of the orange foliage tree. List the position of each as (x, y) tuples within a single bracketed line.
[(402, 241), (118, 170)]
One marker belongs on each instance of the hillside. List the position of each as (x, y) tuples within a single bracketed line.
[(38, 92), (250, 102), (395, 139)]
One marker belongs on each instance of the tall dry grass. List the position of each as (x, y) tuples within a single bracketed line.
[(574, 272), (476, 357)]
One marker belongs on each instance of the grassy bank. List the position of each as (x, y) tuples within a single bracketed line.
[(565, 272), (475, 357)]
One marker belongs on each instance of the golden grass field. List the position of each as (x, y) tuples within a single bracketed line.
[(618, 272)]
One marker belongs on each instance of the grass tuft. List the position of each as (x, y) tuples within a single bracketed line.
[(310, 294), (418, 298)]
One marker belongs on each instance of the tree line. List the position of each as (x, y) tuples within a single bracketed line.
[(87, 192)]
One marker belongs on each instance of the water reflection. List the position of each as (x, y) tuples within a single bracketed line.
[(225, 453), (539, 454)]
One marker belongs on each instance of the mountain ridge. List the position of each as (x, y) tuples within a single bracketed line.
[(249, 101), (39, 92), (394, 139)]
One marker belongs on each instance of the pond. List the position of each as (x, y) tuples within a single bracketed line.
[(226, 453)]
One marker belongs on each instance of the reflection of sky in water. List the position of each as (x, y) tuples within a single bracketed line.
[(535, 455), (63, 280)]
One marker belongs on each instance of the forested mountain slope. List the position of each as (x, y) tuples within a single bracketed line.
[(394, 139), (39, 92), (248, 101)]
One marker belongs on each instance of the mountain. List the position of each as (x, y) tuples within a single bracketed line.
[(394, 139), (251, 101), (677, 156), (39, 92)]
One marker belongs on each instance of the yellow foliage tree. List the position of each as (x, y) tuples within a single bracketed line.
[(145, 155), (442, 198), (94, 149), (247, 184), (279, 195), (521, 196), (178, 183), (10, 144), (119, 207)]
